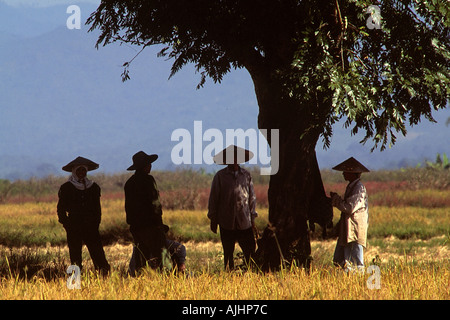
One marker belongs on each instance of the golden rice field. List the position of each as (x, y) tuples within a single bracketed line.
[(410, 245), (400, 280), (401, 277)]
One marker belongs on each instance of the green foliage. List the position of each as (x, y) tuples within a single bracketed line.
[(377, 79), (323, 53), (440, 163)]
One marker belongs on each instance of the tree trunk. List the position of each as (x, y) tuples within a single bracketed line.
[(296, 192)]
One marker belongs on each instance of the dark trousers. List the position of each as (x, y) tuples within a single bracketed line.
[(246, 241), (149, 242), (79, 233)]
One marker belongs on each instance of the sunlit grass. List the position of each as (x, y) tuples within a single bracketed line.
[(411, 242), (31, 223), (402, 276), (37, 224), (398, 280), (408, 222)]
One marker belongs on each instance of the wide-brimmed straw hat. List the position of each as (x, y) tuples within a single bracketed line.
[(231, 154), (351, 165), (141, 159), (80, 161)]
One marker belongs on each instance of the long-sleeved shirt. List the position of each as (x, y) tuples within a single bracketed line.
[(79, 206), (355, 214), (142, 203), (232, 199)]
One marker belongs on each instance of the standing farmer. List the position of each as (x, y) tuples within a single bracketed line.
[(232, 204), (79, 211), (144, 212), (354, 220)]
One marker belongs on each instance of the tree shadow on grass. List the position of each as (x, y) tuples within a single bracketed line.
[(27, 262)]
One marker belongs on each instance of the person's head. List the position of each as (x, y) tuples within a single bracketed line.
[(233, 166), (147, 168), (143, 162), (232, 156), (351, 169), (351, 176), (80, 166), (80, 172)]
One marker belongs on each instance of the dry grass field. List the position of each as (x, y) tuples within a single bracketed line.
[(410, 276), (409, 243)]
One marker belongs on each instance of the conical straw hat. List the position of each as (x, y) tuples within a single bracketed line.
[(351, 165), (231, 153), (80, 161)]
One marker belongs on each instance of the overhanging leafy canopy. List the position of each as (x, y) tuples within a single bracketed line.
[(324, 52)]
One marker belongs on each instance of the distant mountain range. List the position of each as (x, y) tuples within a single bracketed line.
[(60, 98)]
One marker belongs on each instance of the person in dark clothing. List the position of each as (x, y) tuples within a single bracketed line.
[(144, 212), (79, 211), (177, 252)]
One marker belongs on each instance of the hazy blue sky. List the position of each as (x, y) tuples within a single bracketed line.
[(45, 3), (55, 67)]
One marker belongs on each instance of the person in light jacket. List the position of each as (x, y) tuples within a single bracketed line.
[(232, 204), (354, 221)]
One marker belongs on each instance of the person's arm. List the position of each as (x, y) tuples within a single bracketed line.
[(62, 207), (213, 203), (352, 203), (156, 201), (130, 203), (97, 204)]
